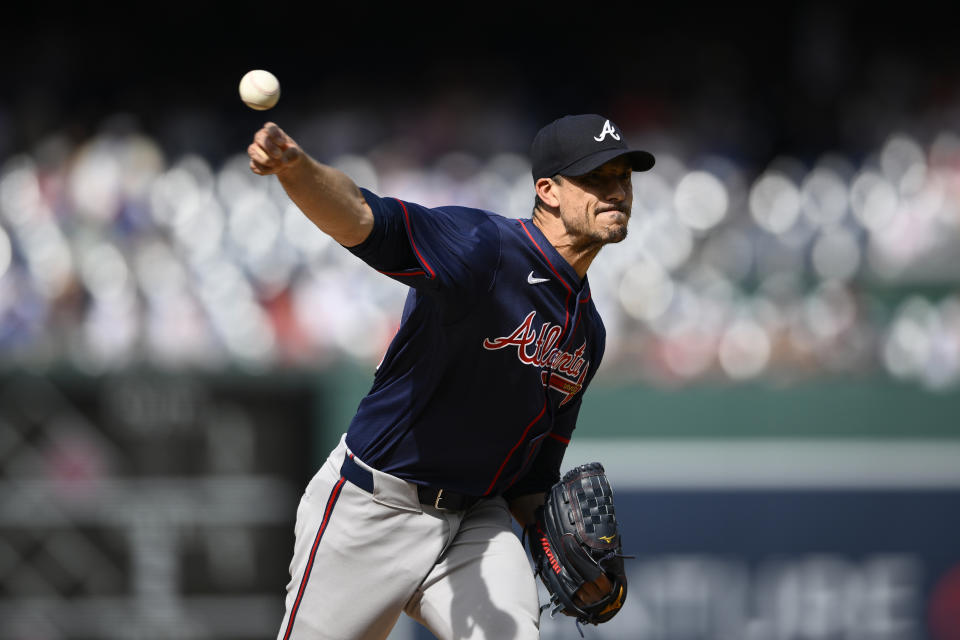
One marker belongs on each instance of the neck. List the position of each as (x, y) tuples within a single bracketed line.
[(579, 255)]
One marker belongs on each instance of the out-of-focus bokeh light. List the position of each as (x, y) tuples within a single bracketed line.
[(730, 251), (922, 343), (183, 262), (874, 201), (646, 290), (824, 197), (701, 200), (904, 164), (47, 256), (6, 252), (103, 270), (20, 199), (744, 349), (775, 202), (836, 254)]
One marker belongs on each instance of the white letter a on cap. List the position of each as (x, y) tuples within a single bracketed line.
[(607, 128)]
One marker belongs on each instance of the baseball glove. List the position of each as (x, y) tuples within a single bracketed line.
[(575, 541)]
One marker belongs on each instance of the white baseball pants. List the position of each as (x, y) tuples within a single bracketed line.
[(361, 558)]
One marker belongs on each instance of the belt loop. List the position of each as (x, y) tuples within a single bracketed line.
[(356, 474)]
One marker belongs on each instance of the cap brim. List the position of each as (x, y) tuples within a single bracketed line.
[(639, 161)]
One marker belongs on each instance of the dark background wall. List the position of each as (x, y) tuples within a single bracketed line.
[(757, 81)]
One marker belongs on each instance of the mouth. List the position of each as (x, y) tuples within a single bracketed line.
[(614, 211)]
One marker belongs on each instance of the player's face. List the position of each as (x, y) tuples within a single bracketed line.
[(595, 207)]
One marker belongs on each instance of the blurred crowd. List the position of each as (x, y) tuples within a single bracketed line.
[(113, 255)]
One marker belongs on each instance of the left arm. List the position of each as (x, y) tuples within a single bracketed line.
[(523, 508)]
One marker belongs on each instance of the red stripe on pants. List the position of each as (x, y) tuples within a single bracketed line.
[(313, 552)]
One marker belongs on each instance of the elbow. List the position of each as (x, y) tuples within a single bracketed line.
[(355, 234)]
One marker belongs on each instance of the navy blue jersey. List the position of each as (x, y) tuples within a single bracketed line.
[(480, 389)]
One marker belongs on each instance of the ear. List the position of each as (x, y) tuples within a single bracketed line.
[(547, 190)]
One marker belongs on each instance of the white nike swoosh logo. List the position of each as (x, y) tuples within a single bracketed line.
[(531, 279)]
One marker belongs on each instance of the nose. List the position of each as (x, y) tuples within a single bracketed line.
[(617, 192)]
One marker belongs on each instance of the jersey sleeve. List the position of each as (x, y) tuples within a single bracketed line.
[(434, 249)]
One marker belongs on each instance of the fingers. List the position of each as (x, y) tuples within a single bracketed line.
[(272, 150), (587, 595), (273, 140), (593, 591)]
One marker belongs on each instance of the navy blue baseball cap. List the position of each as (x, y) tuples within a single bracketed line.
[(575, 145)]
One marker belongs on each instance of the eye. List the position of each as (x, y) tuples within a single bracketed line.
[(591, 178)]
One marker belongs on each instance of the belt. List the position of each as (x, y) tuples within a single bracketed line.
[(430, 496)]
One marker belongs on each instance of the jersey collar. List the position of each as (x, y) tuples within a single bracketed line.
[(559, 266)]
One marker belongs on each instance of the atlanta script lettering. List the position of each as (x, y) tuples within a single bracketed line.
[(565, 371)]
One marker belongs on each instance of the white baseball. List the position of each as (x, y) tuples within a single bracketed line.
[(259, 89)]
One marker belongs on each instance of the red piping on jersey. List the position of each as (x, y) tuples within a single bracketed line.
[(526, 461), (332, 500), (566, 303), (534, 450), (512, 451), (418, 272), (426, 265), (576, 324), (562, 281)]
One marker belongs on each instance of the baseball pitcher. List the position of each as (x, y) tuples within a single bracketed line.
[(472, 407)]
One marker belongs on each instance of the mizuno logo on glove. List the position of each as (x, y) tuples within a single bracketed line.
[(552, 559)]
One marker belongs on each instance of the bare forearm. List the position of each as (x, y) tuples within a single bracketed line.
[(327, 196), (330, 199), (524, 508)]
